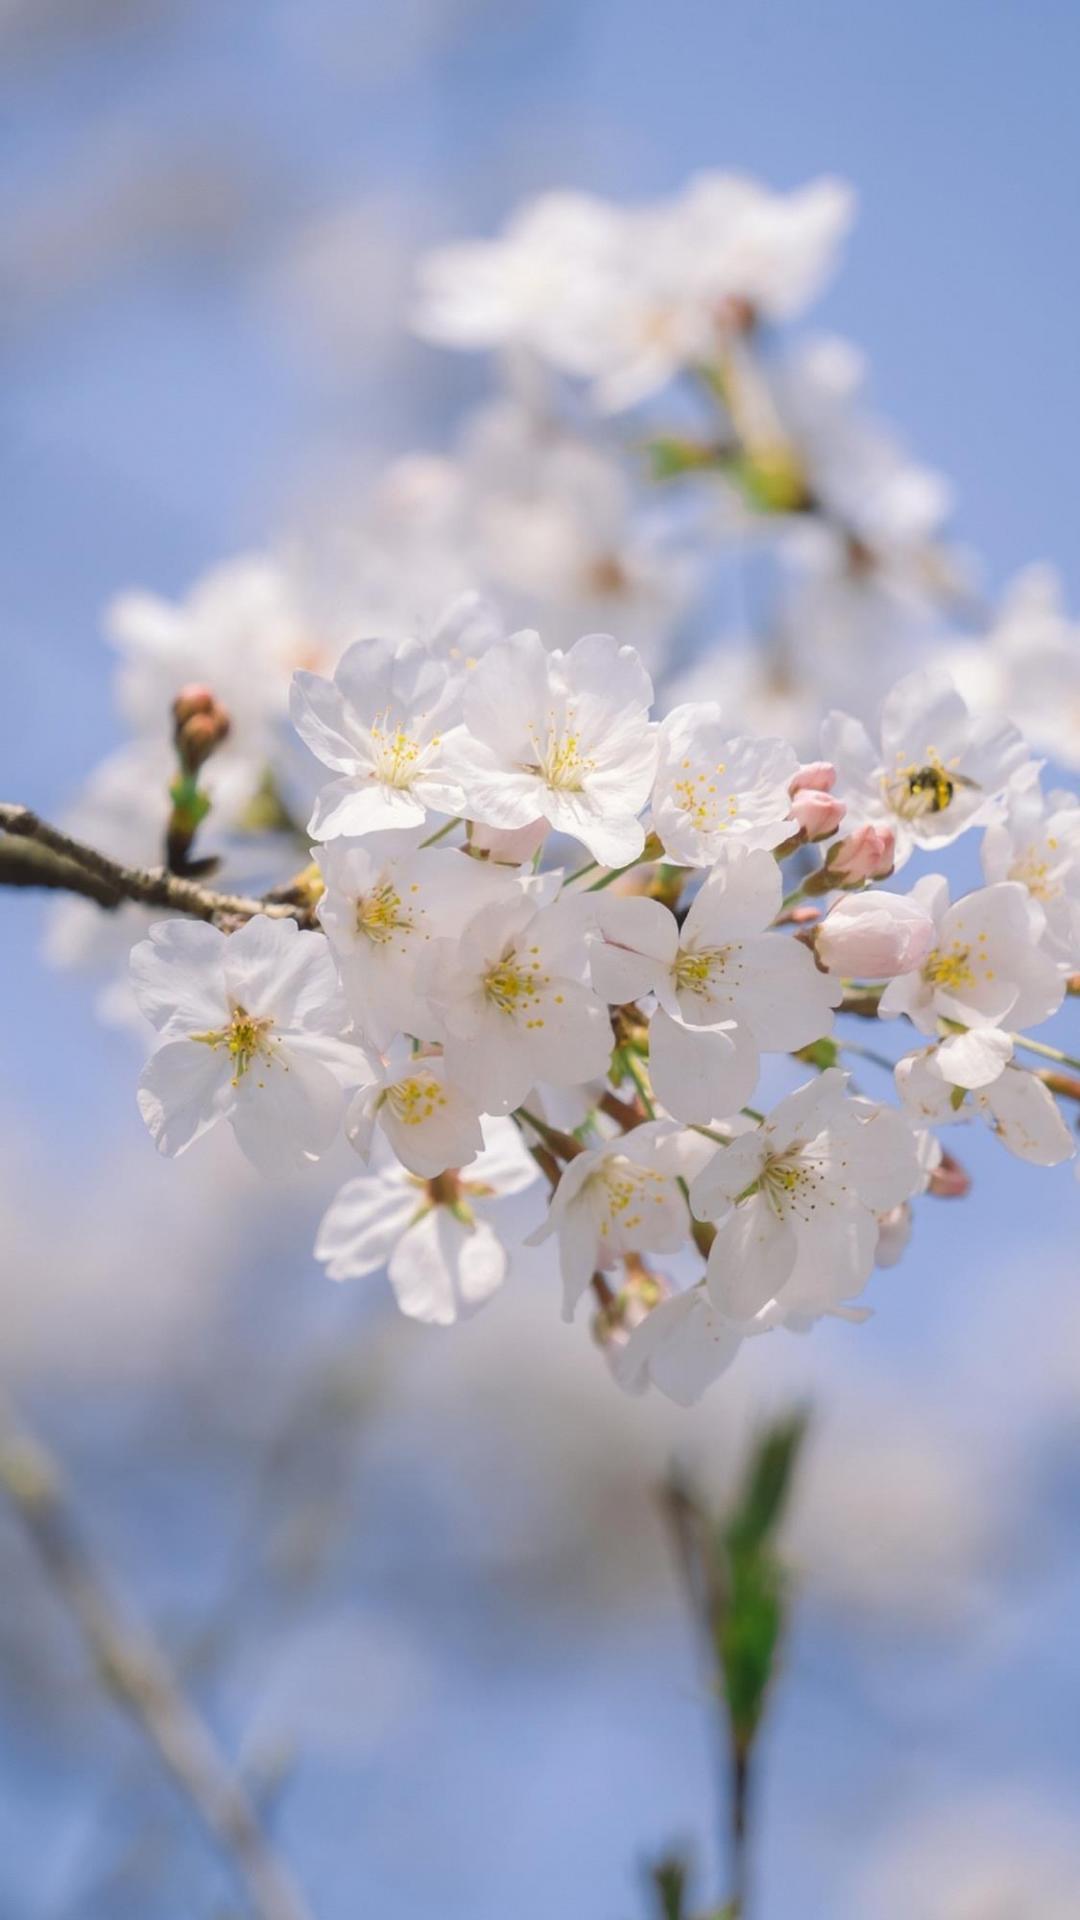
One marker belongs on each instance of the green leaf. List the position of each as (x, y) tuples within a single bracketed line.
[(669, 1878), (766, 1485), (822, 1054)]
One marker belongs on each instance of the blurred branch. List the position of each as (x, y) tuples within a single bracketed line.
[(134, 1670), (33, 853), (738, 1594)]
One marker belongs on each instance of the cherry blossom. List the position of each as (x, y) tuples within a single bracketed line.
[(513, 997), (1015, 1105), (711, 787), (1037, 843), (386, 898), (563, 737), (252, 1028), (727, 988), (937, 770), (428, 1120), (623, 1197), (985, 968), (381, 724), (796, 1203), (443, 1258)]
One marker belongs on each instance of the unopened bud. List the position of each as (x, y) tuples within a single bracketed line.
[(192, 699), (949, 1180), (201, 723), (867, 854), (874, 936), (817, 776), (817, 815)]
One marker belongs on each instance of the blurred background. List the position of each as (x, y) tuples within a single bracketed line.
[(417, 1580)]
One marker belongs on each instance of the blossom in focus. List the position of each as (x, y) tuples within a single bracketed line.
[(624, 1197), (381, 725), (412, 1101), (796, 1201), (728, 988), (386, 898), (513, 998), (563, 737), (443, 1257), (875, 935), (985, 967), (937, 770), (253, 1030), (711, 788)]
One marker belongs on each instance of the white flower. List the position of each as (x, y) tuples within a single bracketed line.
[(558, 527), (381, 723), (680, 1347), (1037, 842), (985, 967), (727, 988), (526, 288), (711, 788), (251, 1029), (624, 1197), (515, 1006), (875, 936), (564, 737), (241, 631), (386, 898), (1016, 1106), (1028, 665), (443, 1258), (630, 297), (937, 771), (430, 1123), (796, 1203)]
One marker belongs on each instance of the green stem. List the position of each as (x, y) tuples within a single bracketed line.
[(640, 1078), (441, 832), (1047, 1053)]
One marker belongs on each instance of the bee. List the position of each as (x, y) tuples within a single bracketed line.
[(929, 790)]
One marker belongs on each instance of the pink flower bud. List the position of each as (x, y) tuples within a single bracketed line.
[(875, 936), (949, 1180), (816, 813), (818, 776), (867, 854)]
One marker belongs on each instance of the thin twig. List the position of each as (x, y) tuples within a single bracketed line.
[(136, 1673), (110, 883)]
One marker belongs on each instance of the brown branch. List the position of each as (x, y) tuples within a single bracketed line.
[(134, 1670), (61, 861)]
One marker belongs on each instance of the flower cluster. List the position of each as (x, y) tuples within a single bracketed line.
[(559, 942)]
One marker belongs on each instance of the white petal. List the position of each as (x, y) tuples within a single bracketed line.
[(637, 940), (751, 1259), (975, 1058), (1028, 1120), (441, 1267), (363, 1224), (287, 1110), (701, 1074), (183, 1088), (177, 978)]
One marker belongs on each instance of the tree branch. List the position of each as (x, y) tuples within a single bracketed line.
[(136, 1673), (33, 853)]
